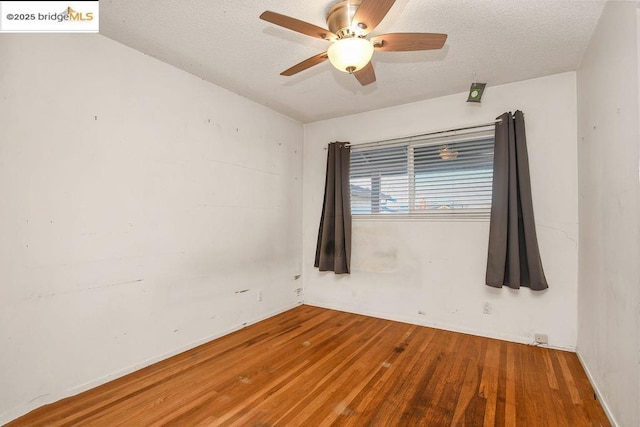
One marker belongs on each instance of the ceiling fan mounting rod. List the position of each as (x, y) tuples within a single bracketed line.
[(340, 16)]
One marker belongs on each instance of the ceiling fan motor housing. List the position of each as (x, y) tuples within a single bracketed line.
[(340, 16)]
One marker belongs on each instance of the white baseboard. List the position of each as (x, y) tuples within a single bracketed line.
[(438, 325), (54, 397), (601, 399)]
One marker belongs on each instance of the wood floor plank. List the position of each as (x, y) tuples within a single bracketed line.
[(312, 366), (489, 382), (511, 403), (584, 386), (541, 390), (467, 391)]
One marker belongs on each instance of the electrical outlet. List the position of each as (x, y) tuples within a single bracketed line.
[(542, 338), (260, 295)]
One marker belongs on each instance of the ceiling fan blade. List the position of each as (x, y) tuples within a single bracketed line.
[(366, 75), (307, 63), (297, 25), (370, 13), (400, 42)]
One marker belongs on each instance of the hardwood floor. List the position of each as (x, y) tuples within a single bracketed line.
[(316, 367)]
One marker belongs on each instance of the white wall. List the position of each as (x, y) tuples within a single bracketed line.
[(138, 203), (609, 207), (402, 269)]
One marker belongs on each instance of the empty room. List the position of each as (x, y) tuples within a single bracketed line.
[(306, 213)]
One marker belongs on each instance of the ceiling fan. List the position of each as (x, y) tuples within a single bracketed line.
[(349, 23)]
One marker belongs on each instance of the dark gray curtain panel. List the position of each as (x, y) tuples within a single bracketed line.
[(333, 252), (514, 257)]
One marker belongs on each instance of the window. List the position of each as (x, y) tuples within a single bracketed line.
[(446, 176)]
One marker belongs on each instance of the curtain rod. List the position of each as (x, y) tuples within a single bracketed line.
[(427, 134)]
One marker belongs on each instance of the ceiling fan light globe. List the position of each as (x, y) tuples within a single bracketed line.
[(350, 54)]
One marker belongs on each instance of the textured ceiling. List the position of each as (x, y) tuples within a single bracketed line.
[(224, 42)]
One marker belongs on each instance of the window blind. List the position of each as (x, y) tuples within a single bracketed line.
[(445, 176)]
